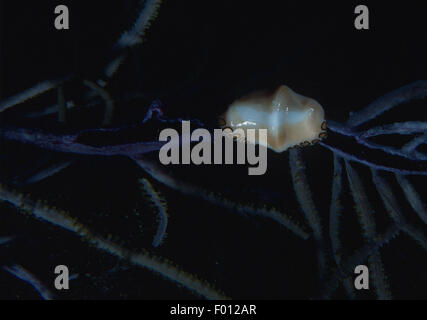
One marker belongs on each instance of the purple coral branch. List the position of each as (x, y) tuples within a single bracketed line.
[(69, 144), (407, 151), (415, 90), (370, 164), (23, 274)]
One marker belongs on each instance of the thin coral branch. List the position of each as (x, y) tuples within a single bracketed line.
[(135, 35), (46, 173), (52, 109), (161, 175), (336, 209), (415, 90), (408, 127), (370, 164), (391, 205), (30, 93), (412, 145), (69, 144), (142, 259), (109, 103), (305, 199), (112, 68), (159, 203), (23, 274), (413, 155), (413, 197), (366, 219), (347, 267), (407, 151), (335, 213)]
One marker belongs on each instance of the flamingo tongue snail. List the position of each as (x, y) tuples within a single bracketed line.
[(291, 119)]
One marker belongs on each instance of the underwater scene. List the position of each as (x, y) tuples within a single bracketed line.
[(113, 184)]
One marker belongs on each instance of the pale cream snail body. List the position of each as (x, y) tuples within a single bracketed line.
[(291, 119)]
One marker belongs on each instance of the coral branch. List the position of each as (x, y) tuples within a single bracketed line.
[(69, 144), (391, 205), (21, 273), (413, 197), (305, 199), (415, 90), (407, 151), (370, 164), (335, 212), (30, 93), (46, 173), (161, 175), (366, 214), (414, 143), (347, 267), (142, 259), (135, 35), (142, 24), (109, 103), (408, 127), (159, 203)]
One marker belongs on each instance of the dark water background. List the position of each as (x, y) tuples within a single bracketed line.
[(197, 58)]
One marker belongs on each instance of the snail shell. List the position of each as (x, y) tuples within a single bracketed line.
[(291, 119)]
